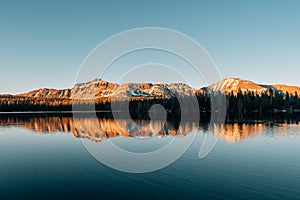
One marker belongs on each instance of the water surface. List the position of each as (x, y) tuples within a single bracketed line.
[(42, 157)]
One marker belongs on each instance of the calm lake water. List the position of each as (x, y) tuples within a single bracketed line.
[(43, 157)]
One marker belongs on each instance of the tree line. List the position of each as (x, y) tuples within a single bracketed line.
[(244, 103)]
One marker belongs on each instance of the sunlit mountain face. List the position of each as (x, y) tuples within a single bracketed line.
[(234, 85), (100, 93), (100, 88)]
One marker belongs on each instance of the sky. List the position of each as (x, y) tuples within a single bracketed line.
[(44, 43)]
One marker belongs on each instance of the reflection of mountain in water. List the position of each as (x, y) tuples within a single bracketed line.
[(98, 129), (236, 132)]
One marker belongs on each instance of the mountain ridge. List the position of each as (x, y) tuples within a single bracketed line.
[(99, 88), (242, 96)]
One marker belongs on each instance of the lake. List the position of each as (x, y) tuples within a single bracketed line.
[(45, 156)]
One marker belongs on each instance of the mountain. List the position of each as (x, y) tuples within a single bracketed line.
[(287, 89), (47, 93), (93, 89), (234, 85), (102, 93), (99, 88)]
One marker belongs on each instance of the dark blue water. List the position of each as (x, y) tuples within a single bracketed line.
[(248, 162)]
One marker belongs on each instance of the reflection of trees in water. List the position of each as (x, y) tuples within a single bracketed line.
[(236, 132), (98, 129)]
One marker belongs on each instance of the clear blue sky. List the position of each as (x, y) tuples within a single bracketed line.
[(43, 43)]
